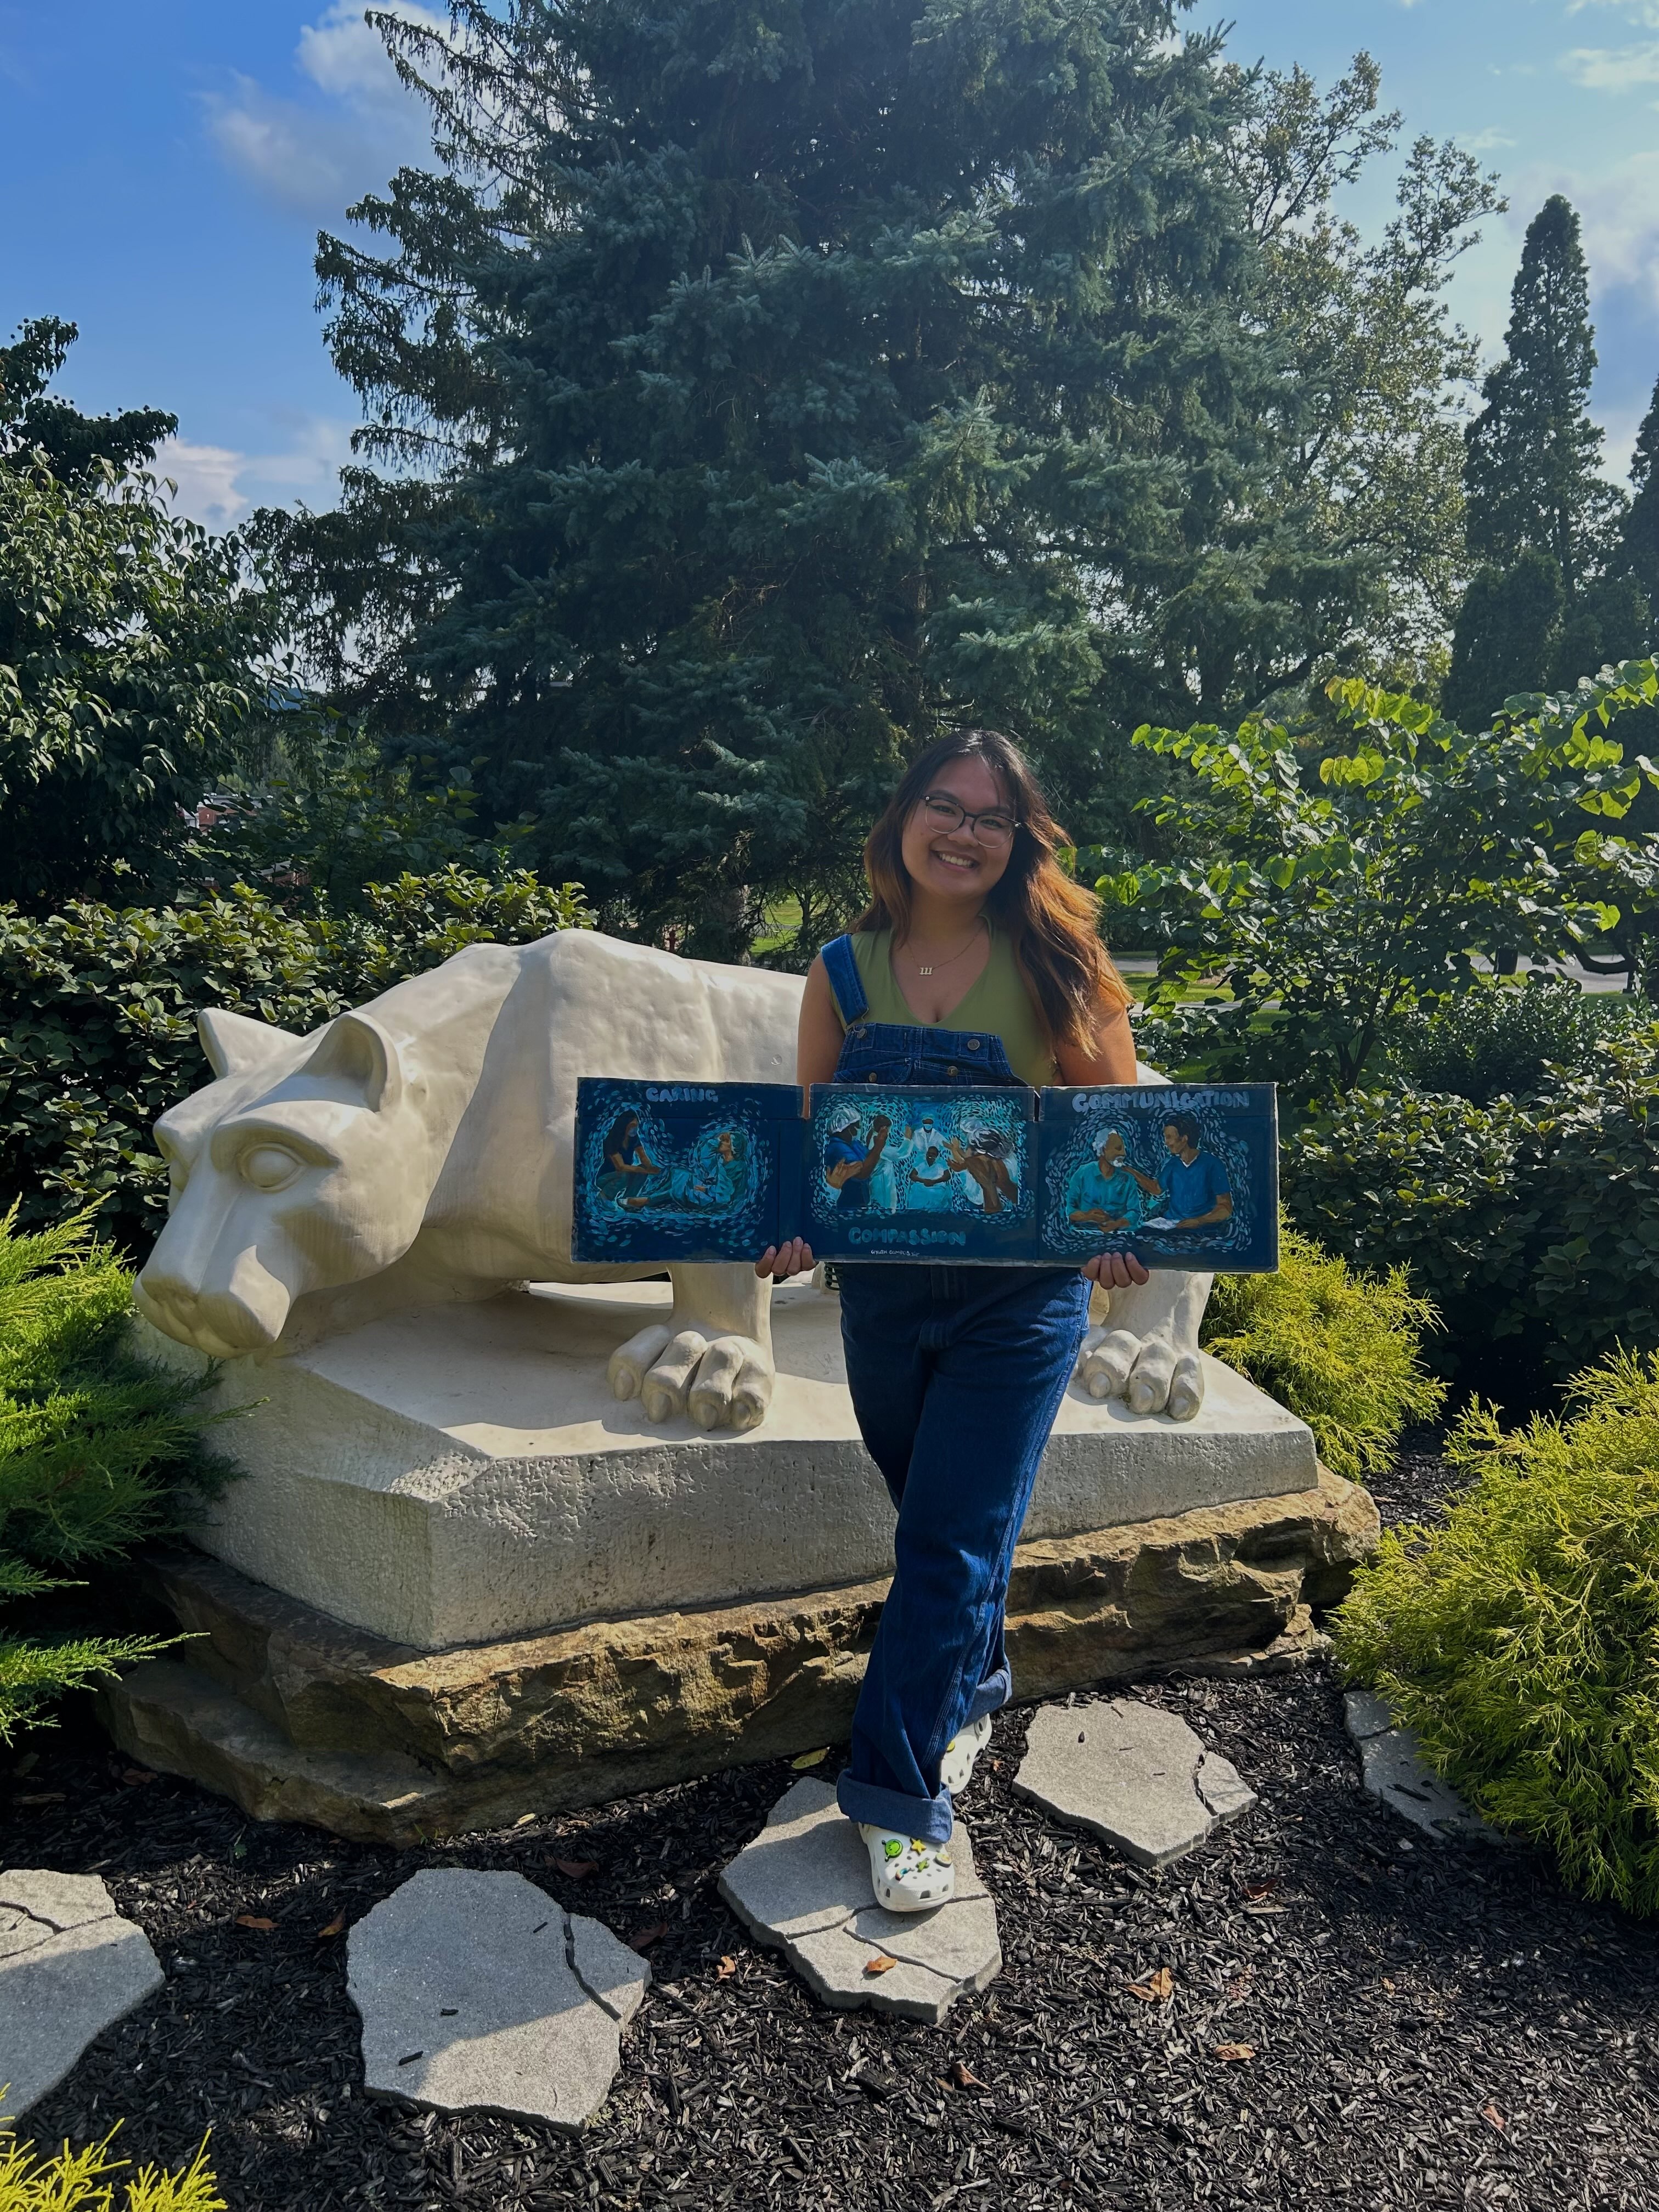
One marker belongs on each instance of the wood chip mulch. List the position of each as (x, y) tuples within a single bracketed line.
[(1354, 2014)]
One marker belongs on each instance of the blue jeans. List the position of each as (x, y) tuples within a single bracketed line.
[(956, 1375)]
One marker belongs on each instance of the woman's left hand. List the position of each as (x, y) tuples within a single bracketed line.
[(1115, 1271)]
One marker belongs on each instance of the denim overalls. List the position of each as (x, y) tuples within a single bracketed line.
[(956, 1375)]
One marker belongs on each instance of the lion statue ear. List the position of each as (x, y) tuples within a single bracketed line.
[(235, 1046), (355, 1049)]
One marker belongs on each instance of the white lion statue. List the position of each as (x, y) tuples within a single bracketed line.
[(420, 1151)]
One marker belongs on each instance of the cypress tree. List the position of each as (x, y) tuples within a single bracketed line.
[(1507, 638), (783, 381), (1532, 455), (1638, 542)]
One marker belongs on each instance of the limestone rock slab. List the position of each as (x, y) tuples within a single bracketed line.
[(1394, 1770), (463, 1474), (69, 1967), (297, 1716), (1137, 1777), (479, 1993), (803, 1887)]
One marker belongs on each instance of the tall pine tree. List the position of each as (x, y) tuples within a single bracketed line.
[(1532, 464), (765, 386), (1554, 599), (1638, 538)]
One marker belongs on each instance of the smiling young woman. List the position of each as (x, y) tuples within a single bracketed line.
[(956, 1373)]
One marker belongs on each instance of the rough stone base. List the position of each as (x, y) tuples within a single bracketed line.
[(298, 1718)]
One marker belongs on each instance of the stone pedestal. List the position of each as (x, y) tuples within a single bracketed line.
[(297, 1717), (461, 1582), (463, 1475)]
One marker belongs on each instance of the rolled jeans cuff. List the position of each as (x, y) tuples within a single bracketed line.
[(930, 1820), (991, 1695)]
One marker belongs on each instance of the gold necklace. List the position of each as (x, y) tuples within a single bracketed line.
[(955, 956)]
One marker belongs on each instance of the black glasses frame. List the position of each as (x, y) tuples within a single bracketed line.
[(973, 821)]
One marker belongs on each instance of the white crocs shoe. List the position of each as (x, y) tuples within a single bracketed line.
[(956, 1768), (908, 1875)]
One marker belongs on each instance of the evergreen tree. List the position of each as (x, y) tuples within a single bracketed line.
[(1609, 621), (769, 385), (1531, 468), (1638, 542), (1506, 639)]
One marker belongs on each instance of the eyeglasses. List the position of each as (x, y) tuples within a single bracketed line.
[(995, 826)]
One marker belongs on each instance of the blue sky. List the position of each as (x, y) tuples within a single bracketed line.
[(168, 163)]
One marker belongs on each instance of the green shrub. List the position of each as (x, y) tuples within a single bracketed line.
[(1538, 1220), (1501, 1039), (98, 1008), (79, 2181), (1521, 1641), (98, 1450), (1343, 1350), (1404, 1177), (1596, 1279)]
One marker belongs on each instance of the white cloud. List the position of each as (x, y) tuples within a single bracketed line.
[(1485, 142), (1635, 11), (205, 481), (317, 154), (1619, 213), (219, 486), (1612, 69), (346, 58)]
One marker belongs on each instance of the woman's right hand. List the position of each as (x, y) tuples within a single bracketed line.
[(792, 1257)]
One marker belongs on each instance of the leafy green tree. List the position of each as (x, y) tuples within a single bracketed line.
[(1378, 457), (321, 815), (1325, 909), (1609, 621), (132, 649), (756, 389), (1532, 452), (35, 420)]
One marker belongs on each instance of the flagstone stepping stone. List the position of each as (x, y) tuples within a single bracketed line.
[(69, 1967), (803, 1887), (479, 1994), (1137, 1777), (1394, 1770)]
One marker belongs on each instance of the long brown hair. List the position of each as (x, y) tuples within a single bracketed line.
[(1052, 923)]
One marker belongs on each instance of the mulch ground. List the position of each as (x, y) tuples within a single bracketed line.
[(1431, 2024)]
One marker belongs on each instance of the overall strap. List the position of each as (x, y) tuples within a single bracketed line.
[(844, 980)]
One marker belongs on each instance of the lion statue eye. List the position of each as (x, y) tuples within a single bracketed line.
[(268, 1167)]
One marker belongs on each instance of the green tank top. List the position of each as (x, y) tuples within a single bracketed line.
[(997, 1003)]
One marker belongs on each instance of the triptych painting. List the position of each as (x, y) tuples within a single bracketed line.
[(1183, 1176)]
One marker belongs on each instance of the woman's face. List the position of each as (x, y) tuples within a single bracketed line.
[(953, 863)]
